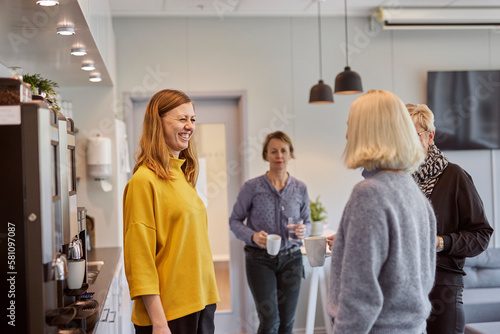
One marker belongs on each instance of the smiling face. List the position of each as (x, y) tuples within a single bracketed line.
[(278, 154), (178, 127)]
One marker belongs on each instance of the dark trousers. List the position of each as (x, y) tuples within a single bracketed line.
[(201, 322), (275, 285), (447, 316)]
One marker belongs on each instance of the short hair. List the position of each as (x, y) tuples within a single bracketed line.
[(154, 152), (381, 134), (422, 115), (277, 135)]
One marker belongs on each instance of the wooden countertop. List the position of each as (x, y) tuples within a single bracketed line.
[(111, 258)]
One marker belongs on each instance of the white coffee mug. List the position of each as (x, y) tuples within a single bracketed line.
[(273, 244), (315, 250), (76, 272)]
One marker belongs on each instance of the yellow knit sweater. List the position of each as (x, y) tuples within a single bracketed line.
[(166, 247)]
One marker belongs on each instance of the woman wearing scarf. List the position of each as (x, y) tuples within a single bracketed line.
[(462, 227)]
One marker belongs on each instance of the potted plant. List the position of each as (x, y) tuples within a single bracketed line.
[(44, 87), (318, 215)]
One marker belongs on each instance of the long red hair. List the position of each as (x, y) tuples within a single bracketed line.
[(153, 152)]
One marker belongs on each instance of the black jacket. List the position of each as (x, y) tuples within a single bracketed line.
[(461, 222)]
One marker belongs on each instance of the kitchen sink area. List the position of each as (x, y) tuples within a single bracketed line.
[(93, 269)]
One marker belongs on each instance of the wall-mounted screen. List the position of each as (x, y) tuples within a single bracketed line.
[(466, 107)]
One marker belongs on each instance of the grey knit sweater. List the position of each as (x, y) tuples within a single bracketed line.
[(383, 258)]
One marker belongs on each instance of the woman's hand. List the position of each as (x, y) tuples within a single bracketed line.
[(161, 330), (300, 231), (260, 238), (329, 240)]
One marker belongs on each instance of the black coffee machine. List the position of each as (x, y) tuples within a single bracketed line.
[(31, 211), (39, 218)]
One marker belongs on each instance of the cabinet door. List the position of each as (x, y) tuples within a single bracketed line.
[(108, 323)]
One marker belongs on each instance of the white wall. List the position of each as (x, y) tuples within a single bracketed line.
[(93, 115), (276, 61), (94, 109), (98, 16)]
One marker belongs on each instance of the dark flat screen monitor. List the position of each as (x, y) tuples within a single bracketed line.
[(466, 107)]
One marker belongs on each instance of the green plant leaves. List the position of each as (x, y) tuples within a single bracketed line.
[(318, 211), (46, 86)]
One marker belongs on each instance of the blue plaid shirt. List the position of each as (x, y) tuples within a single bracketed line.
[(267, 209)]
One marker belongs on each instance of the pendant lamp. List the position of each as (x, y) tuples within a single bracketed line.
[(347, 82), (321, 92)]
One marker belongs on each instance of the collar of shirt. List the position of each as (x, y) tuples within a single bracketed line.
[(370, 173)]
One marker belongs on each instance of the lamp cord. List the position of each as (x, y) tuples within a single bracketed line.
[(346, 38), (319, 40)]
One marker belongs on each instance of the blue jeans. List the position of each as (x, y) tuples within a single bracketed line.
[(275, 285)]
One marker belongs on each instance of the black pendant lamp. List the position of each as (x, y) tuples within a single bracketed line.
[(321, 92), (347, 82)]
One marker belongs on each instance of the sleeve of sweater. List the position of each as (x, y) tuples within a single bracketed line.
[(366, 244), (240, 212), (474, 232), (139, 240)]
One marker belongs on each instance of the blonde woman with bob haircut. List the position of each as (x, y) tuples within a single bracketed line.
[(383, 255), (168, 261), (392, 145)]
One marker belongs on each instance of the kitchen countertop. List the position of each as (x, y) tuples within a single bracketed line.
[(111, 258)]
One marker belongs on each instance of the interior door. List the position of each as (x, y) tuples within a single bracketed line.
[(218, 120)]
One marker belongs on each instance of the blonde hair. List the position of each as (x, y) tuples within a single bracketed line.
[(422, 115), (381, 134), (277, 135), (154, 152)]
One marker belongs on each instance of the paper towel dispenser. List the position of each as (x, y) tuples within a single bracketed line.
[(99, 157)]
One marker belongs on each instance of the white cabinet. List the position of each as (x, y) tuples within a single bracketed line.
[(117, 309)]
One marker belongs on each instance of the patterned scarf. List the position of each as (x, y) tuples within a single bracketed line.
[(428, 173)]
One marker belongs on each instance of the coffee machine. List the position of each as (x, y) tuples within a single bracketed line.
[(40, 224), (32, 214)]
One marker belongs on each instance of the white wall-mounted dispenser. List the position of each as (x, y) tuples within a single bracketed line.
[(99, 157)]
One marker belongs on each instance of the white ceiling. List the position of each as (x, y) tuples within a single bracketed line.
[(28, 39), (229, 8)]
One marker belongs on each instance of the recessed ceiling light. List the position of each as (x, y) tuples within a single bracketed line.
[(66, 30), (47, 3), (79, 51), (88, 66), (95, 77)]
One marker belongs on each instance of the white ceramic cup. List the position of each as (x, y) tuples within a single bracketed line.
[(76, 272), (315, 250), (273, 244)]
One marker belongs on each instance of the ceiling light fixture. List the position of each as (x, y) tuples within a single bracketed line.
[(347, 82), (78, 51), (47, 3), (95, 77), (66, 30), (321, 92), (88, 66)]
